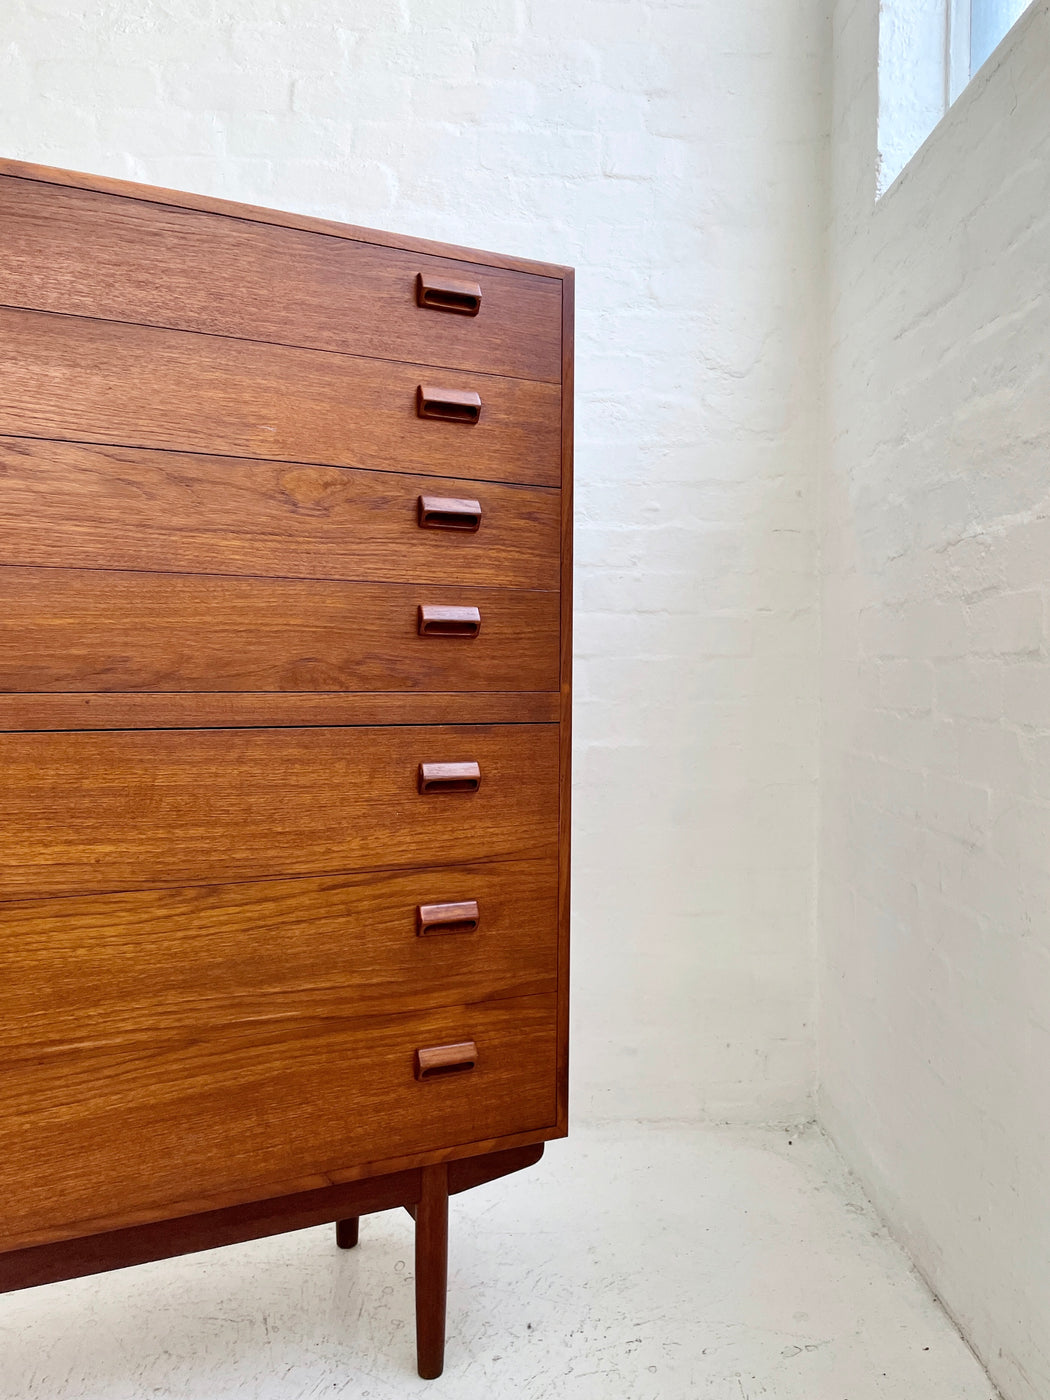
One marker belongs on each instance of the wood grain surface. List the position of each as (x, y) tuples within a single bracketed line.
[(100, 381), (76, 252), (90, 506), (119, 1125), (132, 809), (250, 710), (216, 704), (431, 1270), (213, 1229), (565, 713), (96, 1252), (279, 218), (96, 630), (189, 960)]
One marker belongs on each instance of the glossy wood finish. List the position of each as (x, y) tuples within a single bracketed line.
[(85, 254), (94, 630), (453, 405), (461, 916), (434, 1060), (48, 175), (565, 713), (439, 292), (437, 779), (84, 380), (191, 959), (99, 1128), (85, 506), (449, 513), (211, 1229), (133, 809), (431, 1215), (101, 1250), (285, 555), (251, 710), (442, 620)]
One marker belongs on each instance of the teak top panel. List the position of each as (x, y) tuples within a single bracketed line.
[(78, 252), (128, 189), (84, 380)]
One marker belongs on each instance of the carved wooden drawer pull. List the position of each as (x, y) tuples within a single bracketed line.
[(448, 294), (449, 513), (437, 621), (450, 405), (447, 918), (446, 1059), (449, 777)]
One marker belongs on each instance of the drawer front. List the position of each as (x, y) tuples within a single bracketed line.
[(124, 1127), (98, 630), (98, 381), (192, 960), (133, 809), (81, 253), (88, 506)]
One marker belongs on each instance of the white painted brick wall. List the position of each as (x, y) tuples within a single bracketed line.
[(675, 152), (935, 1055)]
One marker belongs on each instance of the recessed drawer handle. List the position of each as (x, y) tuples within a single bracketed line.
[(449, 777), (435, 621), (452, 405), (446, 1059), (447, 918), (448, 294), (449, 513)]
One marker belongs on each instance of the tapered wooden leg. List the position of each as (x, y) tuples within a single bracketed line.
[(346, 1232), (431, 1271)]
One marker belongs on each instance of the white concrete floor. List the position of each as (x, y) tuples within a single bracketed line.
[(634, 1263)]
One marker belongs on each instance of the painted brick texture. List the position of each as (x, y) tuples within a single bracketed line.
[(935, 862), (674, 153)]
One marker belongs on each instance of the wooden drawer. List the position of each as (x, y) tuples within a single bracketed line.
[(74, 251), (193, 959), (99, 381), (136, 1125), (285, 741), (132, 809), (98, 630), (88, 506)]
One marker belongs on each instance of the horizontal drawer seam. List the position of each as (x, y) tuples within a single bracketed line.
[(312, 1024), (327, 694), (511, 858), (193, 454), (284, 461), (283, 344), (483, 588), (267, 724)]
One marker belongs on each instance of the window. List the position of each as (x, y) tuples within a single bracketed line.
[(928, 52), (976, 29)]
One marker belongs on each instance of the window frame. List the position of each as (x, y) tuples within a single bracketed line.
[(925, 62), (958, 63)]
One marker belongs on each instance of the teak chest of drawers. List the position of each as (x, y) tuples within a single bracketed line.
[(285, 563)]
